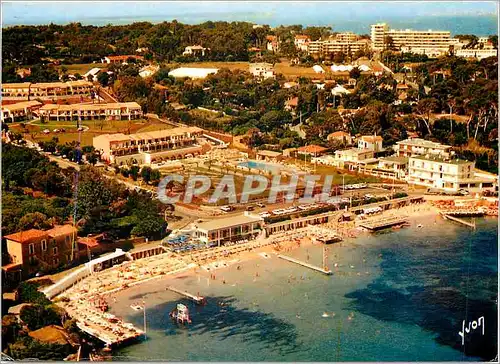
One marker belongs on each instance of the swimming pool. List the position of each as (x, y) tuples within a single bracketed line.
[(266, 167)]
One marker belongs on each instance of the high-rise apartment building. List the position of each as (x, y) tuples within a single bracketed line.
[(430, 42)]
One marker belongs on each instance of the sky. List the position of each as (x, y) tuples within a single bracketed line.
[(99, 13)]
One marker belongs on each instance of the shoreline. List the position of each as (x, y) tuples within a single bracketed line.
[(221, 267)]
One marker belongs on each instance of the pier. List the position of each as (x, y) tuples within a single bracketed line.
[(304, 264), (382, 223), (200, 300), (467, 212), (460, 221)]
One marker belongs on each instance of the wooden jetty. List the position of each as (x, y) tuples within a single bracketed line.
[(304, 264), (460, 221), (475, 212), (383, 223), (200, 300)]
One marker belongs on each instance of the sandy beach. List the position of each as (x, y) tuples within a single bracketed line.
[(223, 271)]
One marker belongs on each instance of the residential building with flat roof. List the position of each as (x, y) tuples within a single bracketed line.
[(353, 156), (416, 146), (430, 42), (262, 70), (446, 174), (340, 136), (112, 111), (234, 228), (149, 147)]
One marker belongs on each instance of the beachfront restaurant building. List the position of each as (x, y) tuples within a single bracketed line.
[(149, 147), (230, 229), (448, 175)]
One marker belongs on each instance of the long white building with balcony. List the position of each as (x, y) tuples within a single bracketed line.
[(149, 147), (430, 42), (447, 174), (112, 111)]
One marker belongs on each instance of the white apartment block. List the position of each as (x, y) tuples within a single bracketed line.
[(416, 146), (262, 70), (446, 174), (430, 42), (353, 156)]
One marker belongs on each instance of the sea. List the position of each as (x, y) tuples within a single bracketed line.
[(339, 21), (396, 295)]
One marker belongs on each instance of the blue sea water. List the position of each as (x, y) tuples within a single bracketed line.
[(397, 296)]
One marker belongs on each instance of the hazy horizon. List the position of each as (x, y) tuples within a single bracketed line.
[(341, 16)]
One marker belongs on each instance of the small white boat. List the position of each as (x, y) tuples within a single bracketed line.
[(420, 226), (136, 307), (325, 314)]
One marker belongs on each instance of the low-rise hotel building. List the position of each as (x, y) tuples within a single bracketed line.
[(149, 147), (112, 111), (447, 174), (417, 146), (19, 111), (48, 90), (234, 228)]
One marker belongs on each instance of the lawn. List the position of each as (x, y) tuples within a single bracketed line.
[(82, 68), (33, 131), (284, 68)]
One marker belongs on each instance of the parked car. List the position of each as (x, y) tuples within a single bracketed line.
[(46, 131), (250, 208), (227, 208), (265, 214), (260, 204)]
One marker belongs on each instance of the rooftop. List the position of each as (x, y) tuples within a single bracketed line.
[(339, 134), (228, 222), (90, 241), (21, 105), (418, 142), (312, 149), (26, 236), (269, 153), (61, 230), (371, 138), (396, 160), (435, 158)]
